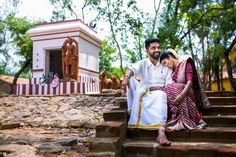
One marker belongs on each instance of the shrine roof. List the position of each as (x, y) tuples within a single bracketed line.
[(63, 26)]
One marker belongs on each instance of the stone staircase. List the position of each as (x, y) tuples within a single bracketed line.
[(111, 134), (114, 139)]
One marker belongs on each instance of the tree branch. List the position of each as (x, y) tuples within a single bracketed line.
[(155, 17), (16, 76), (227, 51), (199, 21)]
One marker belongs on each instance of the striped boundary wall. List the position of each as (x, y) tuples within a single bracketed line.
[(81, 78), (62, 88), (87, 85)]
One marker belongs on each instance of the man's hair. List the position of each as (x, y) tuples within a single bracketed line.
[(151, 40)]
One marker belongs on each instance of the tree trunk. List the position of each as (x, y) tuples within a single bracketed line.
[(221, 78), (114, 37), (140, 48), (204, 63), (16, 76), (191, 47), (85, 4), (155, 17), (229, 68), (209, 66), (217, 73)]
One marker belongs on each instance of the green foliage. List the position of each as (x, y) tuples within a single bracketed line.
[(126, 23), (106, 57), (58, 15), (170, 35), (61, 8), (93, 2), (2, 94), (117, 72), (202, 18), (136, 28), (4, 56), (170, 26), (16, 41), (66, 9), (2, 27), (129, 26), (18, 28), (217, 51), (131, 56), (202, 28), (107, 60)]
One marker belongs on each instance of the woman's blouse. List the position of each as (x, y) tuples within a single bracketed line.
[(188, 72)]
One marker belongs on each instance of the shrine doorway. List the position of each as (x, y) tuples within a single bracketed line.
[(54, 63)]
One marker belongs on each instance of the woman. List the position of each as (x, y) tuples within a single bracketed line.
[(184, 94)]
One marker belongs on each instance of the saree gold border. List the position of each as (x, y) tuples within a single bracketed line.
[(140, 108)]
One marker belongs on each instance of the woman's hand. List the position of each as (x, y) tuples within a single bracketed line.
[(179, 98)]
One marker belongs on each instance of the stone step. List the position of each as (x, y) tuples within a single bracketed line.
[(221, 110), (121, 102), (48, 141), (101, 154), (222, 100), (105, 144), (110, 129), (178, 149), (220, 93), (218, 97), (115, 115), (16, 150), (13, 125), (210, 134), (109, 93), (30, 136), (220, 121)]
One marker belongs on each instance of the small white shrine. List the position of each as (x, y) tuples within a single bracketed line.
[(67, 50)]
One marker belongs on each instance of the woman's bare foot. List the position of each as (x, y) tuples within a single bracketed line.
[(161, 138), (171, 128), (177, 127)]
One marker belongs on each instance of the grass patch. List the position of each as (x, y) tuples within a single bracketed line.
[(3, 94)]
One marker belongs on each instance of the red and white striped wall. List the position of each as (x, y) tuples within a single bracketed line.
[(81, 78), (87, 79), (86, 86), (62, 88)]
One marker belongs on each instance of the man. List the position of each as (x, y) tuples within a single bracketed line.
[(147, 102)]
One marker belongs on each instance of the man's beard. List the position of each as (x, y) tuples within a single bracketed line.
[(155, 55)]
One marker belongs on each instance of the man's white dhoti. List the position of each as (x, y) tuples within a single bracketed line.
[(148, 109)]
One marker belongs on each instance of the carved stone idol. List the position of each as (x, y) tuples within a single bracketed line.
[(70, 59)]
